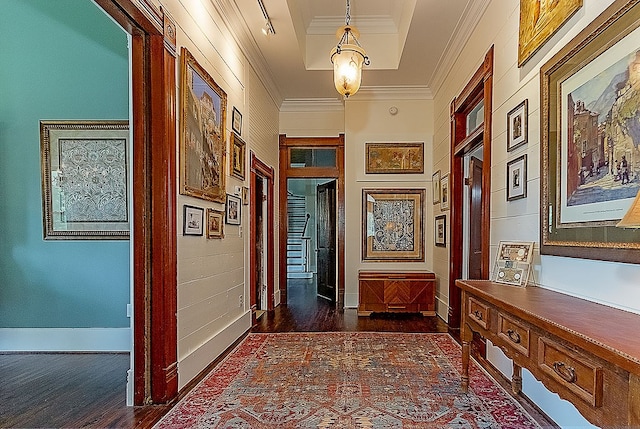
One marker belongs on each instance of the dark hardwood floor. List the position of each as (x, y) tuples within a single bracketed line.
[(87, 390)]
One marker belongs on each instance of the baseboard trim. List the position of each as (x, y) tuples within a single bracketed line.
[(65, 339)]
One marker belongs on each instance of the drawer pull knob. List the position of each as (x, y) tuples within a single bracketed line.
[(513, 336), (565, 372), (478, 314)]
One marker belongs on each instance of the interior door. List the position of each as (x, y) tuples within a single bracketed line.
[(326, 239), (475, 218)]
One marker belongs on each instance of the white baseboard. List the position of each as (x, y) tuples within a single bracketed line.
[(192, 364), (65, 339), (442, 309)]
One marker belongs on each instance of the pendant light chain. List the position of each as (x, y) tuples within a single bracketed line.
[(348, 16)]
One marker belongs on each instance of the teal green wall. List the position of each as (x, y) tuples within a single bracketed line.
[(62, 59)]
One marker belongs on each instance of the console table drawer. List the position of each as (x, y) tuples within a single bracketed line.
[(572, 370), (478, 312), (514, 334)]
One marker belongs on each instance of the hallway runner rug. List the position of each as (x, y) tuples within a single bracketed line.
[(346, 380)]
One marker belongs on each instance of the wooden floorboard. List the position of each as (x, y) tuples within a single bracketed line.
[(87, 390)]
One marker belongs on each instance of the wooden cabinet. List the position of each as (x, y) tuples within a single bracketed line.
[(587, 353), (405, 292)]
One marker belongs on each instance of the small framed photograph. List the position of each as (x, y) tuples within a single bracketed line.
[(444, 192), (440, 232), (234, 205), (215, 223), (245, 196), (435, 186), (517, 126), (192, 222), (238, 151), (517, 178), (236, 121)]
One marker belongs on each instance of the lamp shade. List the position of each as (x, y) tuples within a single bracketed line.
[(632, 218), (347, 68)]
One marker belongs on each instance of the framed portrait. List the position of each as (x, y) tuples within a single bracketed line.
[(539, 20), (215, 223), (392, 225), (85, 182), (517, 126), (440, 232), (517, 178), (238, 156), (234, 207), (394, 158), (444, 192), (590, 171), (236, 121), (435, 186), (192, 220), (202, 132)]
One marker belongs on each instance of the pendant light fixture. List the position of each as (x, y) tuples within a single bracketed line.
[(347, 58)]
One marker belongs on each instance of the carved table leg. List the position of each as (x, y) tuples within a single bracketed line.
[(467, 337), (516, 379)]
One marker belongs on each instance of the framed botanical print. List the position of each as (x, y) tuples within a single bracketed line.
[(192, 220), (215, 223), (234, 207), (517, 126), (85, 182), (202, 132), (238, 157), (517, 178), (392, 225)]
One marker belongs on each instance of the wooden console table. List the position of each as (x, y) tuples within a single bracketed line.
[(397, 291), (587, 353)]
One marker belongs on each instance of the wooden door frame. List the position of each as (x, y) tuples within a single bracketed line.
[(154, 235), (259, 168), (479, 87), (285, 173)]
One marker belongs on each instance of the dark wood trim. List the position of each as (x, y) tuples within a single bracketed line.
[(154, 198), (285, 173), (259, 168), (479, 87)]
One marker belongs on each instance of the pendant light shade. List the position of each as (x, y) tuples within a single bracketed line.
[(348, 57)]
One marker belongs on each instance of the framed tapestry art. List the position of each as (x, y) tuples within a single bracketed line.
[(202, 132), (539, 20), (392, 221), (517, 126), (215, 223), (234, 206), (590, 157), (238, 154), (192, 220), (85, 184), (394, 158)]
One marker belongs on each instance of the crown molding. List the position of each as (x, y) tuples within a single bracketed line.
[(372, 93), (312, 105), (457, 43)]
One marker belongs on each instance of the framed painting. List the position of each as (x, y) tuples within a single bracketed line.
[(394, 158), (192, 220), (590, 161), (517, 126), (539, 20), (215, 223), (202, 132), (435, 186), (236, 121), (392, 225), (238, 156), (234, 216), (517, 178), (444, 192), (440, 232), (85, 182)]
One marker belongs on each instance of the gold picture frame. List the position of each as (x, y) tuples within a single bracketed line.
[(202, 132), (575, 220), (237, 159), (215, 223), (394, 158), (85, 186), (539, 20), (392, 225)]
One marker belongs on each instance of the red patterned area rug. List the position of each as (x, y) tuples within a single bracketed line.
[(346, 380)]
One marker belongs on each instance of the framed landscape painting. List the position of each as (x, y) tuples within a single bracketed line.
[(202, 132), (590, 169)]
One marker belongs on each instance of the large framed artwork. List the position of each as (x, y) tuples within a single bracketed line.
[(202, 132), (539, 20), (590, 158), (85, 186), (392, 221), (394, 158)]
